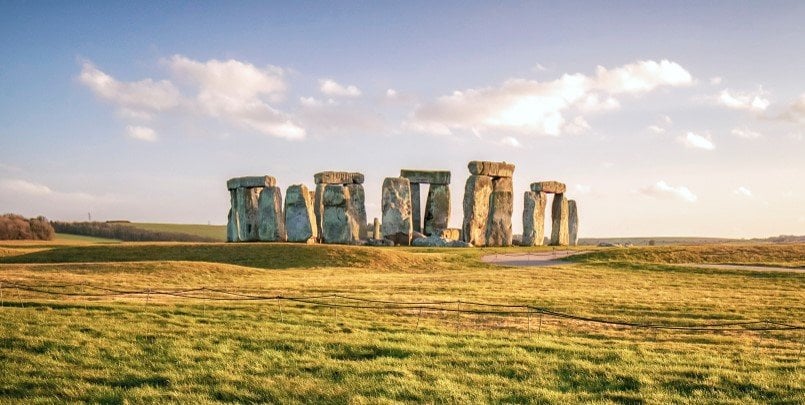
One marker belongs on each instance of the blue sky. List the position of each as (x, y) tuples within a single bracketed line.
[(663, 119)]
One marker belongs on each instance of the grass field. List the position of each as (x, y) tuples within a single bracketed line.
[(157, 348), (217, 232)]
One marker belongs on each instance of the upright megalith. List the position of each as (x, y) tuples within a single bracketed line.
[(352, 183), (488, 204), (559, 225), (271, 220), (397, 224), (439, 181), (499, 225), (335, 217), (357, 211), (476, 209), (573, 223), (244, 214), (534, 218), (437, 209), (300, 219), (376, 229)]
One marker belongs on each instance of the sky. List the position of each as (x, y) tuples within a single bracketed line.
[(677, 119)]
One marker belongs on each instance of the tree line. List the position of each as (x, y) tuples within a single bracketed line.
[(17, 227), (124, 232)]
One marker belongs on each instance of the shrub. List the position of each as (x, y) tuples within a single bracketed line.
[(16, 227)]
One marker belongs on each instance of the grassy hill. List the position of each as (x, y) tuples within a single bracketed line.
[(98, 345), (217, 232)]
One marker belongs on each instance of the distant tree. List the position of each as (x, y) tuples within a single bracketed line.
[(16, 227), (651, 242)]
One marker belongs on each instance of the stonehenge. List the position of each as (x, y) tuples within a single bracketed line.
[(534, 214), (437, 205), (335, 211), (488, 204)]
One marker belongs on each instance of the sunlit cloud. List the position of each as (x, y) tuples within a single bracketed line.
[(749, 101), (696, 141), (332, 88), (743, 191), (141, 133), (663, 190)]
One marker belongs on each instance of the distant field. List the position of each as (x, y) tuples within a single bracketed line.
[(66, 237), (208, 231), (100, 346)]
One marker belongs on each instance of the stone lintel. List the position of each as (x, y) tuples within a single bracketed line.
[(552, 186), (426, 176), (251, 182), (493, 169), (338, 178)]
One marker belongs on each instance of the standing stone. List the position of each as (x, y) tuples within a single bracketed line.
[(416, 211), (272, 221), (300, 220), (318, 208), (397, 223), (246, 213), (232, 219), (573, 222), (476, 209), (437, 209), (376, 231), (499, 226), (534, 218), (357, 211), (559, 225), (335, 218)]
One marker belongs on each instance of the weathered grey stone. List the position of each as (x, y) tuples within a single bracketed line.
[(499, 225), (476, 209), (318, 209), (300, 220), (246, 213), (379, 242), (357, 211), (376, 230), (494, 169), (232, 219), (559, 225), (437, 209), (336, 222), (338, 178), (426, 176), (573, 223), (272, 222), (450, 233), (251, 181), (549, 187), (416, 210), (396, 204), (534, 218), (438, 241)]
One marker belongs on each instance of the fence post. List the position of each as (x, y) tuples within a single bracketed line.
[(282, 319), (418, 318), (1, 294), (458, 315), (528, 310), (539, 330)]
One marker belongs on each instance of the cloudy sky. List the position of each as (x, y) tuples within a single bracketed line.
[(678, 119)]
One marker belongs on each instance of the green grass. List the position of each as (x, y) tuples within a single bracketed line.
[(66, 237), (122, 349), (217, 232)]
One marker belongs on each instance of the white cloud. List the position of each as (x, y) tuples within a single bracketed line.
[(23, 188), (666, 120), (533, 107), (391, 93), (334, 89), (661, 126), (656, 129), (696, 141), (231, 91), (796, 111), (750, 101), (745, 133), (577, 126), (132, 97), (539, 68), (141, 133), (641, 77), (743, 191), (716, 80), (661, 189), (511, 141)]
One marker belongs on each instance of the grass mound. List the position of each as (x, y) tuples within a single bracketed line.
[(784, 255), (260, 255)]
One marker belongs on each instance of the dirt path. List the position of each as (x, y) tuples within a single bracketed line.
[(535, 259)]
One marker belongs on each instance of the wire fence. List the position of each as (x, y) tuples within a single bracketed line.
[(336, 301)]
